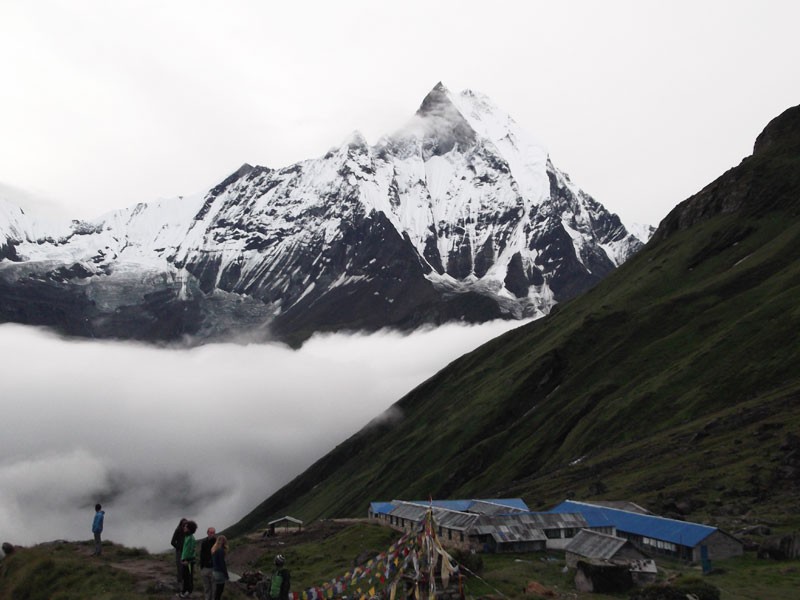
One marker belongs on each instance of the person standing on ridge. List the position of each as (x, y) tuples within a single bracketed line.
[(206, 567), (97, 529), (187, 559)]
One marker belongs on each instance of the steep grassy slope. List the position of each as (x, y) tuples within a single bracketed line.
[(675, 382)]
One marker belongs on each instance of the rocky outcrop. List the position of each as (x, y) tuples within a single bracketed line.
[(742, 189)]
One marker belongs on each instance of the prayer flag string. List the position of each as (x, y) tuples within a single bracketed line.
[(415, 555)]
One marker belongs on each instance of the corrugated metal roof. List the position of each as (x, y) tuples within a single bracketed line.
[(661, 528), (404, 510), (507, 529), (454, 520), (510, 536), (287, 518), (620, 504), (381, 508), (490, 507), (450, 519), (515, 503), (460, 505), (482, 506), (591, 544), (594, 515), (544, 520)]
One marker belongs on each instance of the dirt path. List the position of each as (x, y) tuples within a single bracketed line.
[(153, 576), (155, 573)]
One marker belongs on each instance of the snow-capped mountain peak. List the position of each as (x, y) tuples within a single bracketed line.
[(458, 215)]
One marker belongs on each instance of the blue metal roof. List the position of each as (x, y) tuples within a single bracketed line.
[(510, 502), (381, 508), (668, 530), (460, 505), (593, 515)]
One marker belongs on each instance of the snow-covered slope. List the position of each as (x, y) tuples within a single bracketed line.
[(458, 215)]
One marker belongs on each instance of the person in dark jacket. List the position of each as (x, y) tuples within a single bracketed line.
[(177, 543), (188, 557), (220, 567), (97, 529), (279, 586), (206, 568)]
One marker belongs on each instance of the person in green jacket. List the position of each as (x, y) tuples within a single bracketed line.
[(188, 556), (279, 586)]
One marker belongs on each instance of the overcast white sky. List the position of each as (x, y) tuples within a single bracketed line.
[(105, 104)]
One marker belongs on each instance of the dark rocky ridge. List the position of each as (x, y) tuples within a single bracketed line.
[(741, 188)]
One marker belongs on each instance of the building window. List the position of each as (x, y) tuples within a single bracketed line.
[(660, 545), (553, 534)]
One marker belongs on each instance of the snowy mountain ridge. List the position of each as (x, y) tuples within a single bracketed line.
[(458, 215)]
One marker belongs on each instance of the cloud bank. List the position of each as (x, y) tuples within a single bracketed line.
[(206, 433)]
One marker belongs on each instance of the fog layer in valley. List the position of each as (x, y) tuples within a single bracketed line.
[(204, 433)]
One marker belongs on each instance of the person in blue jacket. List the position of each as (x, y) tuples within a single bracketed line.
[(97, 529)]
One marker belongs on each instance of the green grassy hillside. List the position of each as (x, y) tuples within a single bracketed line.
[(674, 383)]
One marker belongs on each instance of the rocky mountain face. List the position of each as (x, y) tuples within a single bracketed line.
[(460, 215)]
